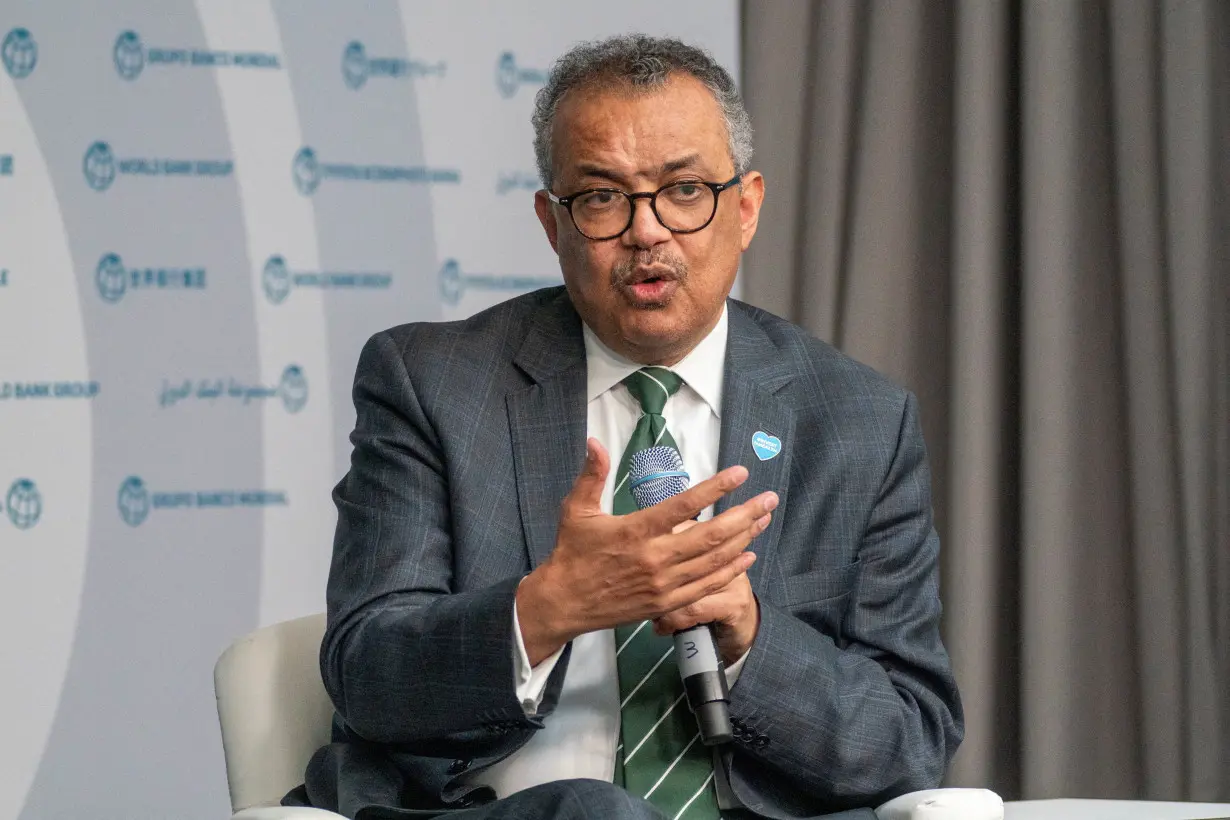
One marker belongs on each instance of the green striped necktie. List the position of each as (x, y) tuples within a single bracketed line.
[(661, 757)]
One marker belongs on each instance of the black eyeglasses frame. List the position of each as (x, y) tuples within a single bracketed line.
[(652, 196)]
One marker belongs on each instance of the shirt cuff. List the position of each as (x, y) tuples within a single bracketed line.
[(531, 681), (732, 671)]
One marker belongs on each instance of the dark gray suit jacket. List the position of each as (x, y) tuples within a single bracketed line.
[(469, 435)]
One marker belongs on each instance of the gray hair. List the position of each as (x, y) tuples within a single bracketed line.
[(642, 62)]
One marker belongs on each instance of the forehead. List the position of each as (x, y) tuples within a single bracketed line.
[(632, 131)]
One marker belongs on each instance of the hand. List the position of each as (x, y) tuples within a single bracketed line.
[(607, 570), (733, 611)]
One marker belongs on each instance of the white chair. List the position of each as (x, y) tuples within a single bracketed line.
[(275, 713)]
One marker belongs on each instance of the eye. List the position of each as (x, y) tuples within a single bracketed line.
[(687, 193), (598, 200)]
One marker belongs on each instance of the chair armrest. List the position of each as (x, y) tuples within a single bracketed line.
[(284, 813), (273, 709), (944, 804)]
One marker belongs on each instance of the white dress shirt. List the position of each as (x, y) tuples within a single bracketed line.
[(581, 735)]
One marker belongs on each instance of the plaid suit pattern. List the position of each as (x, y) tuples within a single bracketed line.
[(468, 436)]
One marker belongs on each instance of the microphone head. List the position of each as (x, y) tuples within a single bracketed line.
[(655, 474)]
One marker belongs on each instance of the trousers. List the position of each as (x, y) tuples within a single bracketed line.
[(579, 799)]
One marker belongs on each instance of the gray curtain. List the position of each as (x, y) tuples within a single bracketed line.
[(1021, 211)]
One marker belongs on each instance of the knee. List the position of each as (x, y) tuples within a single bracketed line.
[(596, 799)]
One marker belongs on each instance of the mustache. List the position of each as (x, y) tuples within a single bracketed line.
[(625, 273)]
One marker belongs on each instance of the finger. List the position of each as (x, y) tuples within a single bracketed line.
[(700, 612), (736, 519), (586, 491), (709, 584), (689, 503), (704, 611), (713, 608), (683, 526), (711, 559), (708, 536)]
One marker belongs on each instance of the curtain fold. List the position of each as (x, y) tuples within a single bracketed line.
[(1021, 211), (983, 455)]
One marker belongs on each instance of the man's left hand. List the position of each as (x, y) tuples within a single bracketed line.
[(732, 610)]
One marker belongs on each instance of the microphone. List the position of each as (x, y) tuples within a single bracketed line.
[(654, 475)]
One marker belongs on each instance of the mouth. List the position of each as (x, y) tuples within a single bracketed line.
[(650, 286)]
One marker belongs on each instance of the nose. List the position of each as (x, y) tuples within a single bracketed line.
[(645, 231)]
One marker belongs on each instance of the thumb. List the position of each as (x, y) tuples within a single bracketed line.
[(587, 490)]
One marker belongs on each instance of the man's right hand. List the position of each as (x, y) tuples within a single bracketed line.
[(608, 570)]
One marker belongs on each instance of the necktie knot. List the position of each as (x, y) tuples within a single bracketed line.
[(652, 386)]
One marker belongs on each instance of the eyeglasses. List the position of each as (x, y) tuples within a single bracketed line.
[(681, 207)]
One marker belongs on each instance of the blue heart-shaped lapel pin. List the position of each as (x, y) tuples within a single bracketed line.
[(765, 445)]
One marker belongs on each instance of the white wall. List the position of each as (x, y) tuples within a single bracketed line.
[(179, 328)]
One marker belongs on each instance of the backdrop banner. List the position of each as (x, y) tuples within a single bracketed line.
[(205, 210)]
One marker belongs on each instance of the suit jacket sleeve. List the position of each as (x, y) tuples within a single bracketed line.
[(872, 713), (406, 658)]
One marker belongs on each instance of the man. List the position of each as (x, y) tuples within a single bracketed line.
[(488, 612)]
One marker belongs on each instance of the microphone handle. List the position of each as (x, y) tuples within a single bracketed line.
[(704, 682)]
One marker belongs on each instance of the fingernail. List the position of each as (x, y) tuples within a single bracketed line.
[(762, 523), (770, 502)]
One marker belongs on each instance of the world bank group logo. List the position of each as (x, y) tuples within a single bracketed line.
[(509, 76), (128, 55), (291, 389), (278, 280), (53, 390), (100, 166), (135, 501), (308, 171), (111, 278), (131, 57), (454, 282), (354, 65), (23, 503), (114, 278), (275, 279), (20, 53), (357, 66)]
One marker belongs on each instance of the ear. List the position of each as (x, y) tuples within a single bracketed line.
[(750, 199), (546, 216)]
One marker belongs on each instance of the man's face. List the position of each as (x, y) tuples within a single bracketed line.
[(649, 294)]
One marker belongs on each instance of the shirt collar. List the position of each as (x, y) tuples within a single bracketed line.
[(702, 369)]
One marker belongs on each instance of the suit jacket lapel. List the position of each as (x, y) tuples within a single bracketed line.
[(547, 421), (755, 371)]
